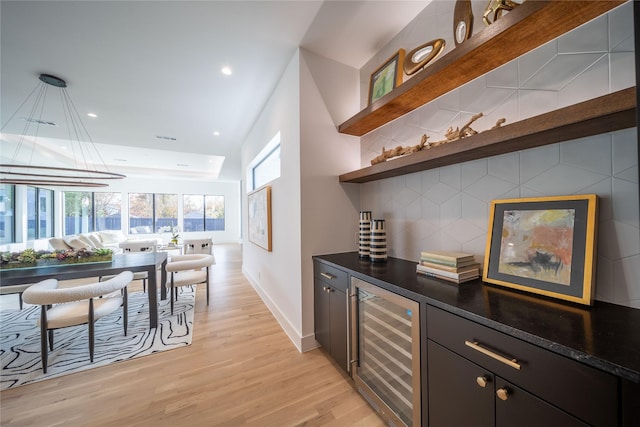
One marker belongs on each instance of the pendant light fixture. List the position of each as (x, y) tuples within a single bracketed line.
[(88, 170)]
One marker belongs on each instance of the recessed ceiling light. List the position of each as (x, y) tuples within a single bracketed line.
[(226, 71), (92, 115), (216, 133)]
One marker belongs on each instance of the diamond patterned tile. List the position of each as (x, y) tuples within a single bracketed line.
[(530, 63), (473, 171), (563, 179), (627, 271), (535, 102), (622, 70), (475, 211), (505, 76), (536, 161), (440, 193), (590, 37), (621, 28), (450, 210), (489, 188), (618, 240), (506, 167), (625, 202), (436, 120), (605, 289), (593, 82), (463, 231), (603, 190), (592, 153), (450, 175), (561, 70)]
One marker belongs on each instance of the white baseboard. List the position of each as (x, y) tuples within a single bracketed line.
[(303, 344)]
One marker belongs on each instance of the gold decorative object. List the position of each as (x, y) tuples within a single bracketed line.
[(497, 9), (422, 55), (450, 136), (462, 21)]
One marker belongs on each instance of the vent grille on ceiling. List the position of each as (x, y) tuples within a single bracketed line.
[(168, 138)]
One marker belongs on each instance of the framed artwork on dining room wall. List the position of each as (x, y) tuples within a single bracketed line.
[(259, 222)]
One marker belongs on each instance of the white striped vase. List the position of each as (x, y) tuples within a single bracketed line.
[(364, 236), (378, 245)]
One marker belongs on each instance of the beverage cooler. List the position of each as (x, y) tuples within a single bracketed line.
[(385, 332)]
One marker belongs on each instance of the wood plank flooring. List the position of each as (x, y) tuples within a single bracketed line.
[(241, 370)]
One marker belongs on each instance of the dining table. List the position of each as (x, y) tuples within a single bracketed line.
[(150, 262)]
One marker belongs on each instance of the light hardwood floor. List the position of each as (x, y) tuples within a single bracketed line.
[(241, 370)]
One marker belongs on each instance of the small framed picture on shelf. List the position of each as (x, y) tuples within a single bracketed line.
[(387, 77), (544, 245)]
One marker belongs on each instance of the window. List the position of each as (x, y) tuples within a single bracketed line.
[(7, 213), (166, 209), (78, 212), (150, 213), (266, 165), (39, 213), (45, 213), (203, 213), (140, 213), (108, 208)]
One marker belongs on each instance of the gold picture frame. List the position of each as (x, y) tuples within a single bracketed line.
[(544, 245), (259, 218), (387, 77)]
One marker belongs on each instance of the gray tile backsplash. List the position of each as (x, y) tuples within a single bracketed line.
[(447, 208)]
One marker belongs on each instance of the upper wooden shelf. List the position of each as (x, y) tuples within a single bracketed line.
[(526, 27), (607, 113)]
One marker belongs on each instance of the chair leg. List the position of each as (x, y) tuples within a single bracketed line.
[(43, 338), (172, 293), (125, 309), (207, 285), (51, 339), (20, 296), (91, 329)]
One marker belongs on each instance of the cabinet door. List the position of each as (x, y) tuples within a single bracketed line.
[(516, 407), (461, 393), (321, 315), (339, 325)]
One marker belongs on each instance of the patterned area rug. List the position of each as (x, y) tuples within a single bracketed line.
[(20, 339)]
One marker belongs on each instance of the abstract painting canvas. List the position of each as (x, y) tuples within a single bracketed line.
[(543, 245)]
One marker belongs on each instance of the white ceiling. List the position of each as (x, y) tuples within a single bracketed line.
[(151, 69)]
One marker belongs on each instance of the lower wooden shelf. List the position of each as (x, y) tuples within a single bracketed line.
[(606, 113)]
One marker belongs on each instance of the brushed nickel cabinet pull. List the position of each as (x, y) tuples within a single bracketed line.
[(511, 362), (327, 276)]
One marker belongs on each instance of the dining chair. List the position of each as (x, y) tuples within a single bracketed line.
[(132, 246), (15, 289), (198, 246), (184, 270), (77, 305)]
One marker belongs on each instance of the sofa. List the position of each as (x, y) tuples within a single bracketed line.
[(99, 239)]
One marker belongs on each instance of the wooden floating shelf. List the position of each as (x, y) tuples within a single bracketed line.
[(606, 113), (528, 26)]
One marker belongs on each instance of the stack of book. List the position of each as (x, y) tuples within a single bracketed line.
[(457, 267)]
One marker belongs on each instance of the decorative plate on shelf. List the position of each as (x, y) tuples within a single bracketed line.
[(462, 21)]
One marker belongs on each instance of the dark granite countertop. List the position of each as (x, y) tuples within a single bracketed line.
[(605, 336)]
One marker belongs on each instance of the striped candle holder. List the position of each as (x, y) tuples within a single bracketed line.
[(378, 245), (364, 236)]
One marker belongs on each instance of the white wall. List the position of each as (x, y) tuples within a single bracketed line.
[(312, 212), (329, 209), (276, 275)]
